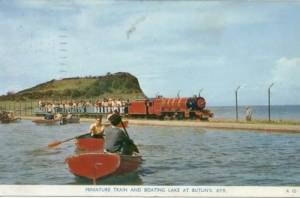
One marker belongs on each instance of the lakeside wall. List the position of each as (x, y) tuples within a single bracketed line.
[(268, 127)]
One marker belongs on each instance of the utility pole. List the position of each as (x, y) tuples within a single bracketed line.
[(236, 103), (269, 101)]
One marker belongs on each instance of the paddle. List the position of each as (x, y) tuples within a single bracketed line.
[(56, 143), (130, 141)]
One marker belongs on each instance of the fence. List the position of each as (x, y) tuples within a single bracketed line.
[(24, 108)]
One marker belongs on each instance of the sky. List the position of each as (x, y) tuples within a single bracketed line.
[(170, 46)]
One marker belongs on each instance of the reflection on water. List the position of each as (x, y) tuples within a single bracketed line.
[(126, 179), (43, 152), (171, 156)]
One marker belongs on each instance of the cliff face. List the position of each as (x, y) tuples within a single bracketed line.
[(115, 85)]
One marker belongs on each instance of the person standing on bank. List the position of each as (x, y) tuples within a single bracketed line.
[(248, 114), (117, 140)]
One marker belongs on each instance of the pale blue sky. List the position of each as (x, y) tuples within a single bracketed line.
[(169, 46)]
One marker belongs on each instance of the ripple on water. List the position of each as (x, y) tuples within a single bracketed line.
[(42, 152)]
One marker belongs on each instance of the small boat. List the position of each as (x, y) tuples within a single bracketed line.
[(70, 120), (44, 121), (98, 165), (93, 162), (13, 120), (8, 117)]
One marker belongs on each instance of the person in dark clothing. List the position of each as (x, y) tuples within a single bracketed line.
[(117, 140), (49, 116), (114, 138)]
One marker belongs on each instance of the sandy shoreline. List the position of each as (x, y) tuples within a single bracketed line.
[(215, 125)]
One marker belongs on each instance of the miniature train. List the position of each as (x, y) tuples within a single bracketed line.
[(170, 108)]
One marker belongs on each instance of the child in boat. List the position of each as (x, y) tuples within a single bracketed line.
[(96, 129)]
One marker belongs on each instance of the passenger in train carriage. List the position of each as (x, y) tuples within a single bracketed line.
[(114, 105), (105, 105), (109, 105), (100, 106)]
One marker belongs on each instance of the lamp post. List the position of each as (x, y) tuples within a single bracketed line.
[(269, 101), (236, 104)]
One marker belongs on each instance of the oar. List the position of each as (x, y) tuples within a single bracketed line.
[(56, 143), (123, 126), (131, 141)]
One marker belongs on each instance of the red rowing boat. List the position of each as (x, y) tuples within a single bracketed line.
[(97, 165), (93, 162), (44, 121)]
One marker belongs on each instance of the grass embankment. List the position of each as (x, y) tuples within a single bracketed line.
[(118, 85)]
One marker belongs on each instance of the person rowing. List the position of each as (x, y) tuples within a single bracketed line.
[(117, 140), (97, 128)]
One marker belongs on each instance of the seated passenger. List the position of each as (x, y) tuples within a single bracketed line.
[(116, 140), (96, 129)]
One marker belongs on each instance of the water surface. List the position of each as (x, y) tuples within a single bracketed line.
[(172, 156)]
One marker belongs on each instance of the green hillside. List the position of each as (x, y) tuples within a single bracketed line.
[(111, 85)]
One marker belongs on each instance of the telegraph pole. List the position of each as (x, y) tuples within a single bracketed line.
[(236, 104)]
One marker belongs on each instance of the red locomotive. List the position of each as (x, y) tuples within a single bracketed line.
[(170, 108)]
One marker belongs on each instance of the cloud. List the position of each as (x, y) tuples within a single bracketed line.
[(177, 44), (58, 4), (286, 72)]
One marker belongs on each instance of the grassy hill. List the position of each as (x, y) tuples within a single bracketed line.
[(123, 85)]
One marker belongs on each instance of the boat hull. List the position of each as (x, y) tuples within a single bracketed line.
[(71, 120), (43, 121), (90, 144), (97, 165), (5, 121)]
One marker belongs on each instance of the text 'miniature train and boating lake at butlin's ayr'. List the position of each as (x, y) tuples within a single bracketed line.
[(127, 140)]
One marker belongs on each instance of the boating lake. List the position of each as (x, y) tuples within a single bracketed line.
[(172, 156)]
